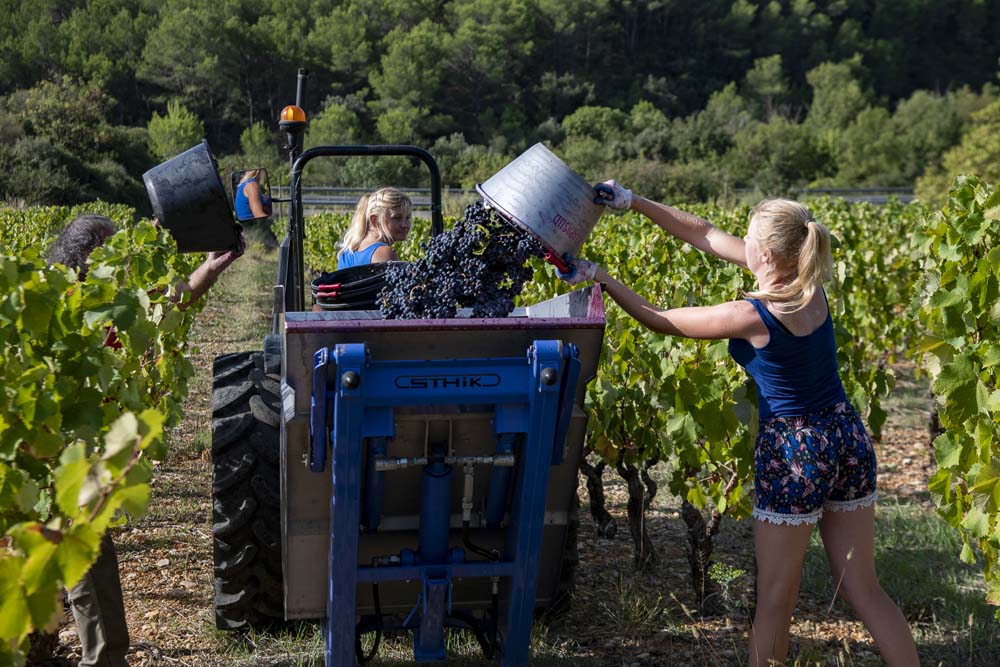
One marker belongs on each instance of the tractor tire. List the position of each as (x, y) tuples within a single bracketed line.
[(246, 492)]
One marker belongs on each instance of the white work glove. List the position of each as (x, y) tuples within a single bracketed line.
[(583, 271), (613, 195)]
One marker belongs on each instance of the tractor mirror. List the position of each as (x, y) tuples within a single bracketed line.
[(251, 194)]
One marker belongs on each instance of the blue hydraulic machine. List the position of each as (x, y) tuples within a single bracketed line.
[(352, 417)]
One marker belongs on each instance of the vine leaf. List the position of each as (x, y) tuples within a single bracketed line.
[(69, 477), (77, 552), (958, 384), (976, 522), (14, 609), (123, 436), (988, 485)]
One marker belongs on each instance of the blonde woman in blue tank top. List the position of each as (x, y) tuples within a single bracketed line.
[(380, 220), (814, 463)]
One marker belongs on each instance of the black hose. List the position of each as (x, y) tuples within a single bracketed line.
[(358, 648), (474, 548)]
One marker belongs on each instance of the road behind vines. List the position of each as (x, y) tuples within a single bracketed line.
[(618, 617)]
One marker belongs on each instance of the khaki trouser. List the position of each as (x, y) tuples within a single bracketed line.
[(100, 612)]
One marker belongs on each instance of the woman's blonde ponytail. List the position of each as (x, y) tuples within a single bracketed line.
[(815, 261), (801, 247)]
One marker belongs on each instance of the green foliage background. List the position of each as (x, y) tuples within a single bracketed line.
[(682, 101), (687, 100)]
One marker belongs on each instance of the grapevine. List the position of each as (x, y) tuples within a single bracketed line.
[(683, 401), (80, 421), (33, 227), (959, 252)]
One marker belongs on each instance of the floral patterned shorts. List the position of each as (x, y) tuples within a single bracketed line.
[(820, 461)]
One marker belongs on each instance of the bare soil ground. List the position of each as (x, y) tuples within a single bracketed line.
[(618, 616)]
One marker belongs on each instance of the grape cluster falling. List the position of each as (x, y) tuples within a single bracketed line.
[(482, 263)]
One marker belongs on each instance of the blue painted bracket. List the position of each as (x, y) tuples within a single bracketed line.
[(428, 638), (318, 408), (355, 396), (567, 392)]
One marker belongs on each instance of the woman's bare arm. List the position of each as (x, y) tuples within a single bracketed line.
[(384, 254), (690, 228), (734, 319)]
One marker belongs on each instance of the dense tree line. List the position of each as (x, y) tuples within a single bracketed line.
[(684, 98)]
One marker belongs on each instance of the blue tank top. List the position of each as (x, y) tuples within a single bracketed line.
[(243, 211), (348, 258), (795, 375)]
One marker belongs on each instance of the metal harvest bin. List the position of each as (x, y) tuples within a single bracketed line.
[(576, 318)]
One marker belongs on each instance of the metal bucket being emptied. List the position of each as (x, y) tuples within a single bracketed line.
[(189, 200), (540, 194)]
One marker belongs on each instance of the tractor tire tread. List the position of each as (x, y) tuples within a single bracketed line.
[(247, 565), (264, 413), (225, 397)]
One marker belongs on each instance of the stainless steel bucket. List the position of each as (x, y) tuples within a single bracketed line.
[(540, 194)]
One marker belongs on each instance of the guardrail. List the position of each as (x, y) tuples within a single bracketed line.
[(319, 198), (340, 198), (870, 195)]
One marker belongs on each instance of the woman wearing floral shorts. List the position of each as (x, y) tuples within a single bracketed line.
[(814, 462)]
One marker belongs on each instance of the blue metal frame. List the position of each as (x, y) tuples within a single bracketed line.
[(499, 489), (374, 485), (532, 395)]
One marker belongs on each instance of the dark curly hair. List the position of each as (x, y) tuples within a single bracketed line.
[(74, 245)]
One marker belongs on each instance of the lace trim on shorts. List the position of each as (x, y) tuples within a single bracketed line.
[(811, 518), (851, 505)]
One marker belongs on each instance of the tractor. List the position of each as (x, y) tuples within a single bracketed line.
[(398, 475)]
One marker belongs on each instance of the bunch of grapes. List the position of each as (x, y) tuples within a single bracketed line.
[(481, 263)]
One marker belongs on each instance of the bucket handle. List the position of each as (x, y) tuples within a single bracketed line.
[(563, 264)]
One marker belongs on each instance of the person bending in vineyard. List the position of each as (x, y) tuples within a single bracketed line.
[(814, 463), (380, 220), (96, 601)]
